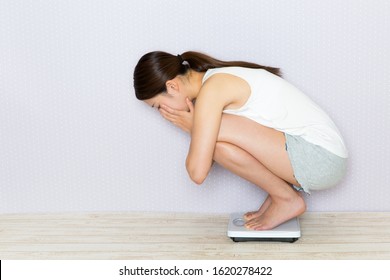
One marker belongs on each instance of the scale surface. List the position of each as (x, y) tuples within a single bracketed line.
[(289, 231)]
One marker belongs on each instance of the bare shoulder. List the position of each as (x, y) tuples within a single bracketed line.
[(233, 90)]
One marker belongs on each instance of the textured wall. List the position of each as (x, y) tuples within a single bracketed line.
[(74, 138)]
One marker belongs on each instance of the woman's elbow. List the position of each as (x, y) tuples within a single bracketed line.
[(196, 175)]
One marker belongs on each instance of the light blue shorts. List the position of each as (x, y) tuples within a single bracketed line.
[(315, 168)]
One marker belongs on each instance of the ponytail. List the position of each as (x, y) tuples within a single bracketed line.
[(154, 69), (200, 62)]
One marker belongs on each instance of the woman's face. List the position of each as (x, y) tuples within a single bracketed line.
[(175, 102), (173, 98)]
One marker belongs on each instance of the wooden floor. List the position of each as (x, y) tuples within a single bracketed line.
[(186, 236)]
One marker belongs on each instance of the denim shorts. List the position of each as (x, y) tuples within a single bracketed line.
[(315, 168)]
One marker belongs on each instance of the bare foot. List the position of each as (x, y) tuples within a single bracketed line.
[(254, 214), (277, 213)]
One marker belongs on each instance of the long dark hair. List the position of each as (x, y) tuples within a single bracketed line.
[(154, 69)]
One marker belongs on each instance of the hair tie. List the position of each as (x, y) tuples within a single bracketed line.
[(180, 59)]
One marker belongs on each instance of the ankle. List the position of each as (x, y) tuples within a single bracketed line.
[(288, 195), (293, 198)]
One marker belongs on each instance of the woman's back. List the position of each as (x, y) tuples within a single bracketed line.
[(275, 103)]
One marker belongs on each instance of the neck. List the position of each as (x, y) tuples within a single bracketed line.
[(195, 79)]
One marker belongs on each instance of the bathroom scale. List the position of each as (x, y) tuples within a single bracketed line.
[(289, 231)]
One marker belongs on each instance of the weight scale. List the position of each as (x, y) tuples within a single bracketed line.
[(289, 231)]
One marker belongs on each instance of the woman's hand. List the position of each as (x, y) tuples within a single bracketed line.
[(182, 119)]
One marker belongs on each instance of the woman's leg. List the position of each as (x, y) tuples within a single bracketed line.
[(246, 166), (257, 154)]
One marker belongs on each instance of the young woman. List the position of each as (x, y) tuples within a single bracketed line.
[(249, 120)]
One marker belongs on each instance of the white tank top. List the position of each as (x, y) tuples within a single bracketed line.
[(277, 104)]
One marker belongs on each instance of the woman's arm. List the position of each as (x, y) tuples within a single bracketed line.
[(213, 97)]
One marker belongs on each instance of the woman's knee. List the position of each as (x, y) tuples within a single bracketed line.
[(222, 150), (225, 152)]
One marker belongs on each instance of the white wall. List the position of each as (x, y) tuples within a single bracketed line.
[(74, 138)]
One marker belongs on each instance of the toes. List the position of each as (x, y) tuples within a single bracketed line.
[(248, 225), (259, 226), (250, 215), (254, 224), (253, 215)]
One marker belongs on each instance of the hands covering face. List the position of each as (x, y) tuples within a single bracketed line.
[(182, 119)]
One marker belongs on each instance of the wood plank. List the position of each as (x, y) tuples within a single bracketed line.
[(186, 236)]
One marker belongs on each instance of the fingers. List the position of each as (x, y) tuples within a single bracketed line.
[(171, 111), (170, 114), (182, 119), (166, 114), (168, 109), (175, 119)]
